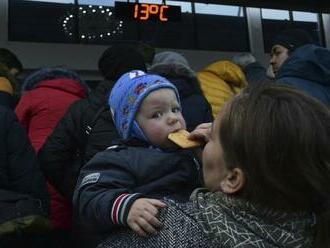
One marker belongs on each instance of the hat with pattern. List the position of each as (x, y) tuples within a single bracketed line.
[(127, 96)]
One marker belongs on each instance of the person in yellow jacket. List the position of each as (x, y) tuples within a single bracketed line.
[(7, 88), (220, 81)]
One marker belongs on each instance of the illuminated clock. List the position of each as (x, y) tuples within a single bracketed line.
[(147, 12)]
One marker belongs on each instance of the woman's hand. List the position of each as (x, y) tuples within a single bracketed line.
[(142, 216), (201, 132)]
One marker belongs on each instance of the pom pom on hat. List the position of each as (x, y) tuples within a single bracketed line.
[(127, 96)]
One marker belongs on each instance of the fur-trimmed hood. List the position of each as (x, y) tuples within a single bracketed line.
[(50, 74)]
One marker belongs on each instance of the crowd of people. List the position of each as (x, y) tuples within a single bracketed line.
[(101, 165)]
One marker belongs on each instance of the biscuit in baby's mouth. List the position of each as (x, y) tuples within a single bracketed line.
[(181, 139)]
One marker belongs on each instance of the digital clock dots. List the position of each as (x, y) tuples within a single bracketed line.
[(147, 12), (143, 11)]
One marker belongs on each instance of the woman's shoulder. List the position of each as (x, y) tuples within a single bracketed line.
[(179, 229)]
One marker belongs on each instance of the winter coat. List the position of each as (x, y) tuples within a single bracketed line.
[(308, 69), (220, 81), (69, 146), (112, 180), (47, 94), (19, 169), (195, 107), (42, 106), (255, 73), (217, 220)]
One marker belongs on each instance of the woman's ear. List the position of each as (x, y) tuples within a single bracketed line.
[(233, 182)]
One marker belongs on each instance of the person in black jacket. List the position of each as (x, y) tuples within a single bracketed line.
[(18, 163), (87, 127), (175, 68), (19, 169), (122, 185)]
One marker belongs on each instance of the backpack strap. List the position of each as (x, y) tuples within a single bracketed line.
[(91, 125)]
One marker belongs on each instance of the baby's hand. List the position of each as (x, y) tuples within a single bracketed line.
[(201, 132), (142, 216)]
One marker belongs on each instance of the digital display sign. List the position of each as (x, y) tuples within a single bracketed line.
[(147, 12)]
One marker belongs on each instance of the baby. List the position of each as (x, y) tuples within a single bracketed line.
[(123, 185)]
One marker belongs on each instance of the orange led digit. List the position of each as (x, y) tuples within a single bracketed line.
[(161, 16), (136, 9), (144, 12)]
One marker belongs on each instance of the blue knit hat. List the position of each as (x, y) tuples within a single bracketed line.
[(127, 96)]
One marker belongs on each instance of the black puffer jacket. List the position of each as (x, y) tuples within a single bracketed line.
[(112, 180), (195, 108), (19, 169), (69, 147)]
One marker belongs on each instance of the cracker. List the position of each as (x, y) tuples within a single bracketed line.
[(181, 139)]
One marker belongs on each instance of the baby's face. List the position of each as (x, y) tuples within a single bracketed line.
[(159, 115)]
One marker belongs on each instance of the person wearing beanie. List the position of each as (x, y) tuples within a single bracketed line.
[(70, 135), (118, 59), (299, 63), (285, 43), (124, 185), (175, 68)]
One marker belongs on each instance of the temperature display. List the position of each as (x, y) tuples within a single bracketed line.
[(146, 12)]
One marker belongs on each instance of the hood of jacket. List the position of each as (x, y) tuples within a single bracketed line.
[(169, 58), (182, 77), (52, 75), (227, 71), (63, 84), (309, 62), (238, 223)]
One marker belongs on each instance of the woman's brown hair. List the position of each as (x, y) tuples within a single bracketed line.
[(280, 138)]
